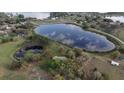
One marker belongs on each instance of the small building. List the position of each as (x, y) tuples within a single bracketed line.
[(114, 63)]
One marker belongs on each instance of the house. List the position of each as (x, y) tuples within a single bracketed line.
[(114, 63)]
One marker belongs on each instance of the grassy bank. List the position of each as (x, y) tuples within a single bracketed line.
[(120, 42), (6, 50)]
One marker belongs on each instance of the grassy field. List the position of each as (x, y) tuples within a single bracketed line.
[(6, 50), (119, 33)]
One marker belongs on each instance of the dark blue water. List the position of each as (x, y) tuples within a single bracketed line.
[(75, 36)]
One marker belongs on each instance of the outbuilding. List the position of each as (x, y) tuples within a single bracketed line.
[(114, 63)]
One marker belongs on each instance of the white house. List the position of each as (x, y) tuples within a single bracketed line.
[(114, 63)]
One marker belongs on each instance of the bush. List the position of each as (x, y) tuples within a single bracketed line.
[(105, 76), (28, 56), (62, 50), (15, 65), (85, 25), (78, 52), (66, 70), (53, 64), (121, 49), (6, 39), (36, 57), (58, 77), (48, 53), (115, 54), (31, 57), (70, 54)]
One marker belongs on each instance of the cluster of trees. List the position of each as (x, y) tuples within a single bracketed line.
[(58, 14), (20, 18), (65, 70), (10, 18), (70, 70)]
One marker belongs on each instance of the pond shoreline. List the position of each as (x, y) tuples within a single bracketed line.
[(90, 30), (84, 29)]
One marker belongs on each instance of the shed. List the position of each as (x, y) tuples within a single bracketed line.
[(114, 63)]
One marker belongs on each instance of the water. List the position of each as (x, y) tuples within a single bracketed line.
[(117, 18), (34, 49), (75, 36)]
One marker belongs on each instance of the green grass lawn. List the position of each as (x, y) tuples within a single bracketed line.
[(119, 33), (6, 50)]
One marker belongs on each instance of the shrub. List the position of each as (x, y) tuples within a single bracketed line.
[(53, 64), (115, 54), (62, 50), (78, 52), (31, 57), (6, 39), (36, 57), (15, 65), (58, 77), (121, 49), (105, 76), (48, 53), (70, 54), (28, 56), (85, 25)]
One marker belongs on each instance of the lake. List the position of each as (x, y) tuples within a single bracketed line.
[(75, 36)]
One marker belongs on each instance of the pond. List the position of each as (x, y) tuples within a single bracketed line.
[(34, 49), (75, 36), (117, 18)]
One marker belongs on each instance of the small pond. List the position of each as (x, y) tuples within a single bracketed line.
[(34, 49), (75, 36)]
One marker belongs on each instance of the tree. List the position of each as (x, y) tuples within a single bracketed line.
[(21, 16), (58, 14), (85, 25)]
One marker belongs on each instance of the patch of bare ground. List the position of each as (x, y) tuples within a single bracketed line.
[(103, 65), (33, 72)]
